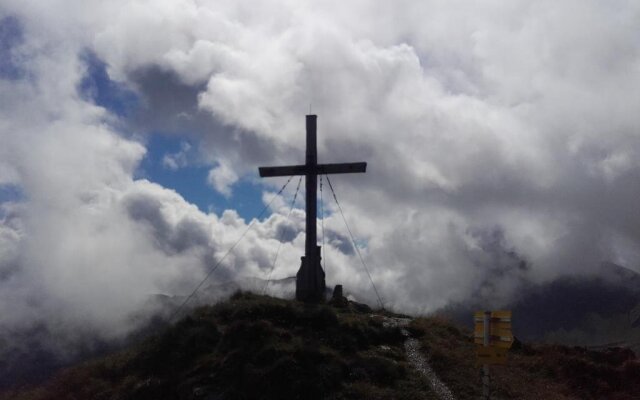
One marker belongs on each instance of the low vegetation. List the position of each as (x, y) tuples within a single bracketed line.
[(252, 347), (258, 347), (533, 372)]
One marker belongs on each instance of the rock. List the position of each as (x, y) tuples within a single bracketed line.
[(338, 300)]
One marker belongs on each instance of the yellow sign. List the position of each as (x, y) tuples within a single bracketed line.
[(501, 315), (491, 355), (500, 335)]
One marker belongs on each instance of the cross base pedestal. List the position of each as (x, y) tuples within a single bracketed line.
[(310, 284)]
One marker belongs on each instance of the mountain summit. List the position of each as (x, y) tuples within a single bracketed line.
[(259, 347)]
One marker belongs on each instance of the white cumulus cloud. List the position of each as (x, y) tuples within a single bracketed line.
[(499, 137)]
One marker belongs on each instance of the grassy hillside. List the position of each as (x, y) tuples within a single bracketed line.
[(533, 372), (252, 347), (257, 347)]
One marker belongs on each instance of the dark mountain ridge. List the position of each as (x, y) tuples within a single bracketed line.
[(591, 310)]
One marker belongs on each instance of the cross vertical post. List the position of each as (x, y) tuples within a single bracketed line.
[(310, 279), (311, 180)]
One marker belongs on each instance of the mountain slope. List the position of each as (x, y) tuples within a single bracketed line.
[(533, 372), (258, 347), (252, 347)]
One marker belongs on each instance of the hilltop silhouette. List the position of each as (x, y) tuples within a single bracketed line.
[(259, 347)]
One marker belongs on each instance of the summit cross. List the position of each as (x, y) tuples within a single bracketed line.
[(310, 279)]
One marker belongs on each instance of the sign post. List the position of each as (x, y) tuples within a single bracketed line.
[(485, 367), (493, 336)]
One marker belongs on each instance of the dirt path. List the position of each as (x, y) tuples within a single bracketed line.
[(419, 362)]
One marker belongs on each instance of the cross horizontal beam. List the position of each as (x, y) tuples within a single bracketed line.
[(319, 169)]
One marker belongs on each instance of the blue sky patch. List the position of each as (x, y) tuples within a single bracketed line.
[(188, 178), (11, 193), (190, 181), (97, 87), (11, 36)]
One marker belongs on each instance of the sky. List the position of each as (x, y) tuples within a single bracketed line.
[(502, 142)]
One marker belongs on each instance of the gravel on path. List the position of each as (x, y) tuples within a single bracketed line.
[(419, 362)]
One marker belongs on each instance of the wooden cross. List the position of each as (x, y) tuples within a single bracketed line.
[(310, 282)]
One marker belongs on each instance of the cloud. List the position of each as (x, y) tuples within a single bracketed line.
[(221, 178), (177, 160), (497, 136)]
